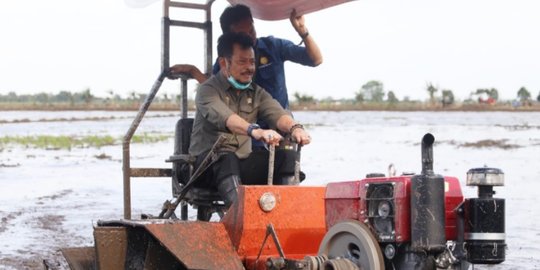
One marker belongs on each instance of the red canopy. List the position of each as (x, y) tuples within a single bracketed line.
[(281, 9)]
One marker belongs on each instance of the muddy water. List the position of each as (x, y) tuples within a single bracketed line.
[(50, 198)]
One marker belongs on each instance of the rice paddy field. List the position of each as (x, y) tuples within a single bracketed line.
[(61, 171)]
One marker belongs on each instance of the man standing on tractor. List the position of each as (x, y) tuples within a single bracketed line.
[(229, 104), (270, 54)]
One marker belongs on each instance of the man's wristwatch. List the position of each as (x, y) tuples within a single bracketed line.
[(250, 129)]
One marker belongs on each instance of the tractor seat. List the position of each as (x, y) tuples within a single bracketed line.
[(204, 196), (206, 200)]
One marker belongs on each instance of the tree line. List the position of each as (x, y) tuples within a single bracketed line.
[(373, 92), (82, 97)]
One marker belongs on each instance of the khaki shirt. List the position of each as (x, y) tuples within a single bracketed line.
[(216, 100)]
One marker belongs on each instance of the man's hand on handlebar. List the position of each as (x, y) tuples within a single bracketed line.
[(269, 136), (301, 136)]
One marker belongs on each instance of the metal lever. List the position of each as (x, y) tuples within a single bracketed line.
[(296, 180), (271, 157)]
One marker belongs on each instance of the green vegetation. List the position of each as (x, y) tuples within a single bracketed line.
[(492, 93), (523, 94), (392, 99), (370, 96), (83, 100), (372, 91), (150, 138), (304, 99), (373, 96), (447, 98), (68, 142), (431, 90)]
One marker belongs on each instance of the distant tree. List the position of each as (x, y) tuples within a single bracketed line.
[(87, 96), (372, 91), (523, 94), (117, 98), (447, 97), (110, 96), (133, 96), (166, 97), (64, 96), (12, 97), (327, 99), (431, 90), (538, 97), (494, 94), (391, 97), (142, 97), (359, 97), (303, 99), (42, 97)]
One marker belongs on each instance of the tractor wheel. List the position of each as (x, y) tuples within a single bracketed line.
[(352, 240)]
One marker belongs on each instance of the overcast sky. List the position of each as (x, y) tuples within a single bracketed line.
[(104, 45)]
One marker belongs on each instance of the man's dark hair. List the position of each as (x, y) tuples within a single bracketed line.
[(227, 40), (232, 15)]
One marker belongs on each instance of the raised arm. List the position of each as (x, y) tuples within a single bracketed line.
[(312, 48)]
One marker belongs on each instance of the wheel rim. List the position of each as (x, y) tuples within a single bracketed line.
[(354, 241)]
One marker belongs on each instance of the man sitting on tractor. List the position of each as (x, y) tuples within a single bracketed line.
[(229, 104)]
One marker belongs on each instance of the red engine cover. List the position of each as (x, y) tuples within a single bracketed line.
[(347, 200)]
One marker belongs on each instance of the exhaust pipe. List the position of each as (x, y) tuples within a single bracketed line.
[(427, 154), (427, 205)]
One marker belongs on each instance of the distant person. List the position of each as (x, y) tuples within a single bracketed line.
[(270, 53), (229, 104)]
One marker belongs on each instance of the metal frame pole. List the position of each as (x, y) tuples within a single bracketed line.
[(166, 23)]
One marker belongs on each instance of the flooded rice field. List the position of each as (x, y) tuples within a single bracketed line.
[(51, 196)]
